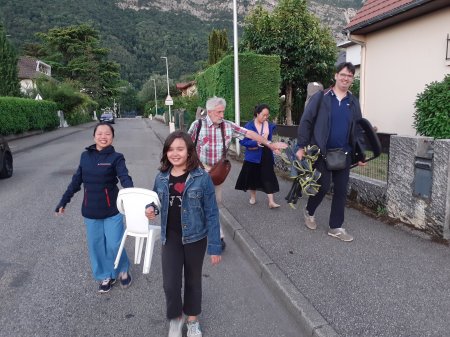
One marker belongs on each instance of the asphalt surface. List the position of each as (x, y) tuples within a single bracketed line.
[(46, 287), (387, 282)]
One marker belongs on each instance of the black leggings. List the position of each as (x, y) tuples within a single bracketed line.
[(175, 256)]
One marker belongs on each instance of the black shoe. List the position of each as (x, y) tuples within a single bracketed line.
[(125, 282), (223, 244), (106, 285)]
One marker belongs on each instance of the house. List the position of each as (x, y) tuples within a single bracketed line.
[(188, 89), (405, 45), (350, 52), (30, 69)]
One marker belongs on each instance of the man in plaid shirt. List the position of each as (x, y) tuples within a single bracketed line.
[(209, 143)]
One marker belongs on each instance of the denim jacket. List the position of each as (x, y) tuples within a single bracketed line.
[(199, 211)]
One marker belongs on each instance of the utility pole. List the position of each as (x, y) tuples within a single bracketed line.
[(169, 101), (156, 100)]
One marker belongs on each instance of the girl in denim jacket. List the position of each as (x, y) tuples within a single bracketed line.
[(189, 225)]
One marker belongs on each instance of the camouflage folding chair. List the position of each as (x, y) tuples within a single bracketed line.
[(302, 172)]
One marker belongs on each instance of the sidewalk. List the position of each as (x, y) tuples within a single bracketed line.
[(387, 282)]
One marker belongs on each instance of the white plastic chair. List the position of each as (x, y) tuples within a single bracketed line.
[(131, 202)]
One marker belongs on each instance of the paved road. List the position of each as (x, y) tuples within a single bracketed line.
[(45, 284), (387, 283)]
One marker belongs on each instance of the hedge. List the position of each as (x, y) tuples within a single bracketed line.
[(432, 115), (259, 82), (19, 115)]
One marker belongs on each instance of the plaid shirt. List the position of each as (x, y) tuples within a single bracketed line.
[(209, 144)]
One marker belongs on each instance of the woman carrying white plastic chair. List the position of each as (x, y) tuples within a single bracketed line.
[(100, 166)]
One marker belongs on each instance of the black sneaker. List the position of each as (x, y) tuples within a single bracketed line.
[(222, 241), (106, 285), (125, 282)]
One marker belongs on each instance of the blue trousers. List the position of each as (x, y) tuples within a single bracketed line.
[(103, 239), (340, 181)]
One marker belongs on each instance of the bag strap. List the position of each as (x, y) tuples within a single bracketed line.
[(199, 126), (222, 129)]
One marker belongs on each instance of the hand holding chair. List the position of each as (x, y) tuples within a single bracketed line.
[(131, 202)]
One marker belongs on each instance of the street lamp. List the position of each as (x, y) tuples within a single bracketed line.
[(169, 100), (237, 113), (156, 101)]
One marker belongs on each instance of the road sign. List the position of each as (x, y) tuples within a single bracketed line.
[(169, 100)]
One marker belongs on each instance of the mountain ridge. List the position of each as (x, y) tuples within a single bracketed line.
[(138, 36), (329, 12)]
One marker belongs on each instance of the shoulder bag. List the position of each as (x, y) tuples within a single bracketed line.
[(336, 159)]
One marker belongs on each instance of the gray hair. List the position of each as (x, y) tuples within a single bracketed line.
[(214, 102)]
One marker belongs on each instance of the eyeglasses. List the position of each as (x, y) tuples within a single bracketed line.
[(349, 76)]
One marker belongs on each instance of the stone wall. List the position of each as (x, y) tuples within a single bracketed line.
[(440, 210), (368, 192), (429, 212), (406, 197)]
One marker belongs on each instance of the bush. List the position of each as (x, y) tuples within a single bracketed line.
[(68, 98), (356, 87), (19, 115), (259, 82), (190, 104), (432, 115), (149, 108), (78, 117)]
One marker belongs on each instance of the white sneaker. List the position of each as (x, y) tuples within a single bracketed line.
[(176, 327), (310, 221), (193, 329), (341, 234)]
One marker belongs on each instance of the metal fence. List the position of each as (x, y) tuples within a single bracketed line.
[(377, 168)]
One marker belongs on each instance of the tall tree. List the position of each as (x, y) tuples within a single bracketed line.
[(128, 99), (147, 93), (75, 54), (217, 45), (307, 49), (9, 83)]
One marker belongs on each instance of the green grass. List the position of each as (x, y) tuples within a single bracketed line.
[(376, 168)]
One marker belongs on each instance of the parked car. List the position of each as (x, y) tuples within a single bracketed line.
[(6, 159), (107, 117)]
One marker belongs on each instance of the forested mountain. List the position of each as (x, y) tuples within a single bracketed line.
[(139, 32)]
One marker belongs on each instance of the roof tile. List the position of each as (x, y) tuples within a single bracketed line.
[(376, 8)]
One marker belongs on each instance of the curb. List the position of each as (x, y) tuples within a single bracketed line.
[(47, 137), (309, 319), (10, 138)]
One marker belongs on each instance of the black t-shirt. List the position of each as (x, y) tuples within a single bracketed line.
[(176, 189)]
